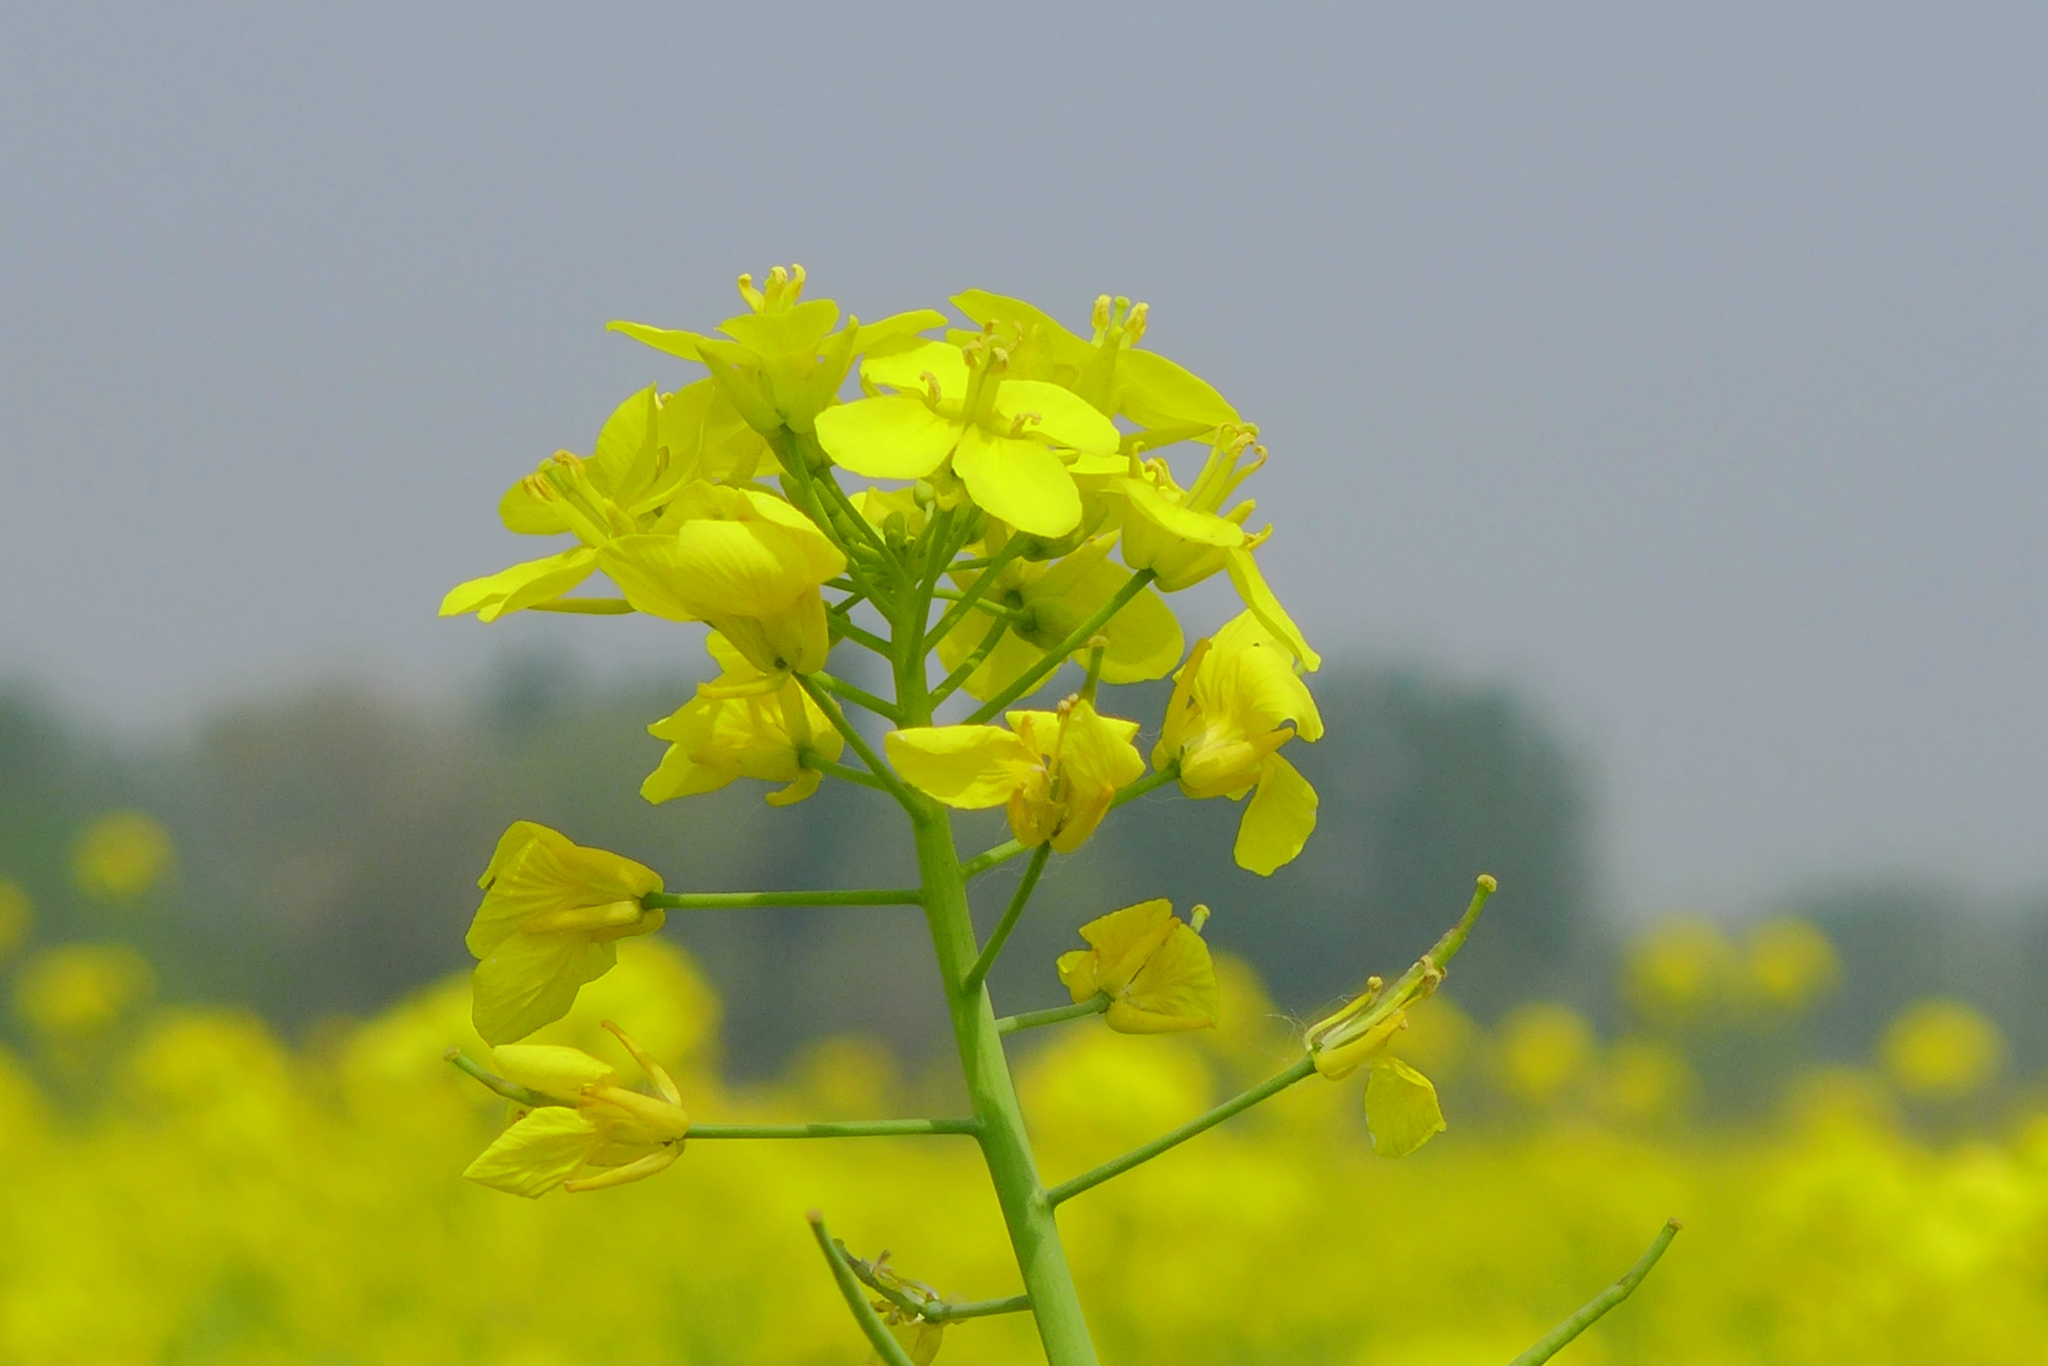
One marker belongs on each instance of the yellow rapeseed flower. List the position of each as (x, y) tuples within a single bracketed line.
[(1680, 970), (1941, 1050), (743, 560), (122, 855), (594, 1124), (1153, 966), (76, 991), (551, 915), (1055, 772), (1791, 962), (1236, 701), (1004, 437), (735, 729)]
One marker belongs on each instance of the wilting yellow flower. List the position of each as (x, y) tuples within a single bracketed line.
[(1791, 962), (121, 855), (1235, 702), (650, 448), (1052, 598), (1002, 436), (743, 560), (625, 1135), (1401, 1108), (1056, 772), (1153, 966), (1941, 1050), (1183, 535), (734, 729), (783, 362), (78, 990), (1107, 370), (17, 917), (551, 914)]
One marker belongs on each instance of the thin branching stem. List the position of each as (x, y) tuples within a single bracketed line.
[(974, 591), (1078, 637), (953, 680), (1032, 1019), (858, 1128), (876, 764), (1117, 1166), (878, 1335), (859, 696), (994, 948), (754, 901), (1590, 1312)]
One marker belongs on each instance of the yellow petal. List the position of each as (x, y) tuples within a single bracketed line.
[(551, 1069), (525, 512), (531, 980), (1122, 940), (1064, 417), (896, 436), (907, 369), (1279, 819), (1401, 1108), (521, 586), (1158, 393), (537, 1154), (1174, 990), (1020, 482), (1259, 599), (1077, 971), (970, 767)]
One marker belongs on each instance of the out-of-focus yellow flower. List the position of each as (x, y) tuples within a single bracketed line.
[(1941, 1050), (1055, 772), (1153, 966), (1107, 370), (122, 855), (1791, 962), (783, 363), (1004, 437), (732, 729), (1680, 970), (743, 560), (1645, 1080), (1544, 1047), (1049, 601), (17, 917), (625, 1135), (551, 915), (78, 990), (1236, 701)]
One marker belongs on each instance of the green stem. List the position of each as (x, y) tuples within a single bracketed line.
[(1032, 1019), (878, 1334), (752, 901), (990, 858), (1056, 656), (932, 1310), (1117, 1166), (987, 960), (860, 1128), (858, 696), (1614, 1294), (863, 637), (867, 754), (974, 591), (510, 1090), (953, 680), (1027, 1212)]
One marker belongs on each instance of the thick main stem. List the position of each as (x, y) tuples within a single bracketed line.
[(1005, 1147)]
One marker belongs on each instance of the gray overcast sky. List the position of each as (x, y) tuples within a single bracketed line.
[(1682, 363)]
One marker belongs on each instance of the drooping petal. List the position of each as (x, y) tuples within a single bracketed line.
[(1064, 417), (969, 767), (868, 336), (907, 370), (684, 344), (531, 980), (537, 1154), (521, 586), (1119, 943), (546, 877), (1251, 587), (1155, 392), (1174, 990), (895, 436), (1278, 820), (1253, 680), (1401, 1108), (1018, 481), (527, 513)]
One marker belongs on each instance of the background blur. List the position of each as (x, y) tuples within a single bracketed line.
[(1658, 425)]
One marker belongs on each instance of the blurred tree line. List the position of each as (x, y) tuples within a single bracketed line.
[(328, 841)]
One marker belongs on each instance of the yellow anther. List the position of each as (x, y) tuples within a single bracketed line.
[(1101, 314), (1134, 326), (1198, 916)]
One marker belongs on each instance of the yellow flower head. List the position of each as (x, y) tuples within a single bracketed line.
[(1047, 600), (1004, 437), (76, 991), (1153, 966), (780, 362), (735, 728), (1941, 1050), (122, 855), (592, 1123), (1236, 701), (743, 560), (1056, 772), (551, 915)]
